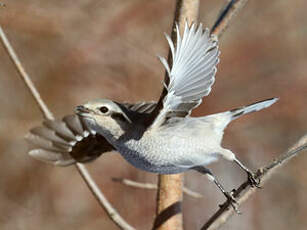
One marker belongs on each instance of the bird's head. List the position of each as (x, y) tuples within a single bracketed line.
[(105, 117)]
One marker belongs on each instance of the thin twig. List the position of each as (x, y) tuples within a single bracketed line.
[(245, 191), (226, 16), (104, 203), (24, 76), (222, 215), (112, 213), (151, 186)]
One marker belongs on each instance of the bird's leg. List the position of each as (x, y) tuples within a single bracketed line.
[(232, 201), (228, 155), (254, 182)]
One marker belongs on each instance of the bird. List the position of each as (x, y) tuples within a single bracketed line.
[(157, 136)]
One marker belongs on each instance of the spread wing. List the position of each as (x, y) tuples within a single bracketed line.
[(67, 141), (141, 107), (191, 76)]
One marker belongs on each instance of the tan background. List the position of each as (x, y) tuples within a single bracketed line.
[(85, 49)]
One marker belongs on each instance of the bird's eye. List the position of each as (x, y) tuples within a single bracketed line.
[(103, 109)]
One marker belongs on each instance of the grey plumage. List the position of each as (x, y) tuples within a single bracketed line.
[(141, 107), (70, 140), (159, 137), (172, 141)]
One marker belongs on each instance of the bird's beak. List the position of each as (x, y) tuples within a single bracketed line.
[(81, 110)]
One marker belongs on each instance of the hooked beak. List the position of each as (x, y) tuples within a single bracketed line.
[(81, 110)]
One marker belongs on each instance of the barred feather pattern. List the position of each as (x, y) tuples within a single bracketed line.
[(67, 141), (141, 107)]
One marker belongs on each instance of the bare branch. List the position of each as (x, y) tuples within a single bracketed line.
[(188, 10), (245, 191), (151, 186), (226, 16), (169, 196), (104, 203), (24, 76), (112, 213)]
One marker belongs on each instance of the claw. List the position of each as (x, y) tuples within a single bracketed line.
[(254, 182), (232, 201)]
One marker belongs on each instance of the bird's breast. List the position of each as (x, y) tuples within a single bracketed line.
[(150, 154)]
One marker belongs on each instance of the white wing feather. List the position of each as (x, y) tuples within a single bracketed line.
[(192, 74)]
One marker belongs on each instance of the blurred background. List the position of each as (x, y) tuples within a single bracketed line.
[(85, 49)]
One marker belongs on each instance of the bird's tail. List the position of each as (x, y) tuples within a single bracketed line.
[(221, 120), (235, 113)]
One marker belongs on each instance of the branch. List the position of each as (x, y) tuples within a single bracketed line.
[(226, 16), (169, 195), (24, 76), (135, 184), (104, 203), (245, 191), (186, 10)]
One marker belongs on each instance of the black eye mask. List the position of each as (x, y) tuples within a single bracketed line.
[(118, 117)]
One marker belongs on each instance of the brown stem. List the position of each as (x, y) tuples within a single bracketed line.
[(104, 203), (169, 196), (151, 186), (226, 16)]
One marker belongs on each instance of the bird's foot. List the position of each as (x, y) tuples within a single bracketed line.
[(253, 181), (232, 201)]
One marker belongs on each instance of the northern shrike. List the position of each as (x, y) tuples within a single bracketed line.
[(159, 137)]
